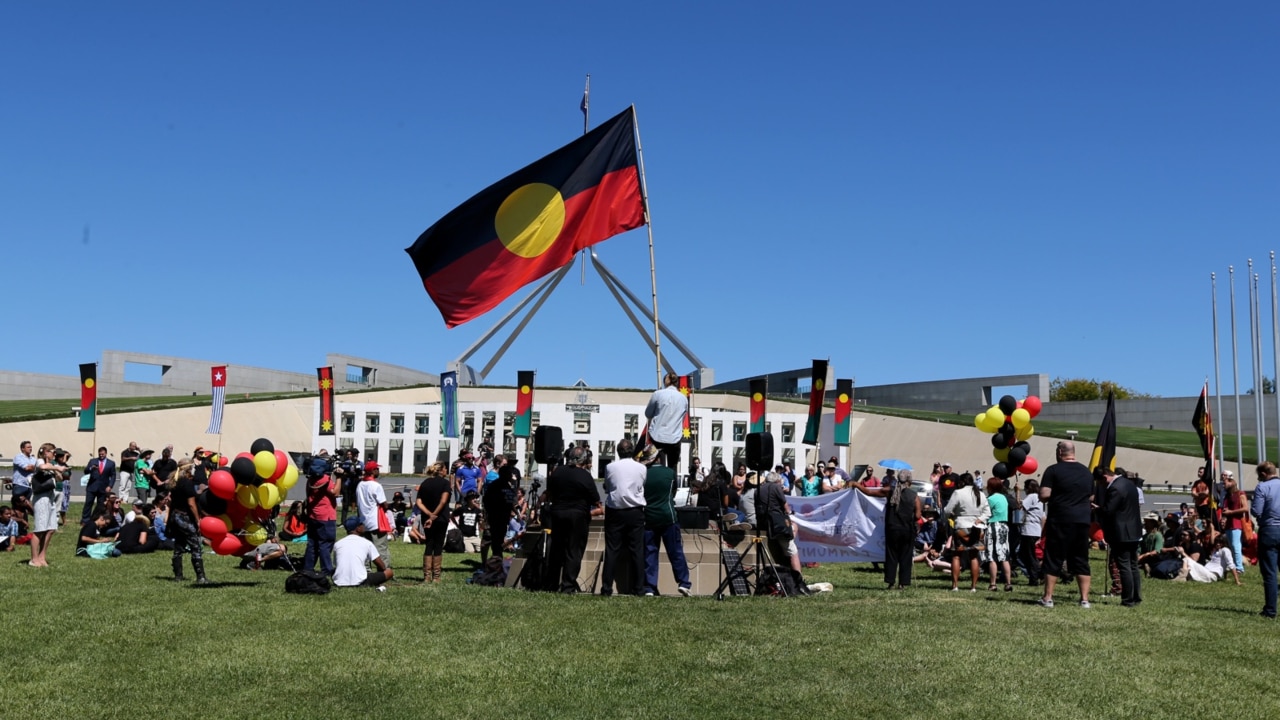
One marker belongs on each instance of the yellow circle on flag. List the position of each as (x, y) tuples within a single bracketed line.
[(88, 382), (818, 383), (844, 397), (757, 397), (530, 219), (524, 389)]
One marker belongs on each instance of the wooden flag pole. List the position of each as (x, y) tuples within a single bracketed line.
[(653, 273)]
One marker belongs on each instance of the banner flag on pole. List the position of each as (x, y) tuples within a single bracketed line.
[(1202, 421), (686, 389), (88, 397), (759, 388), (325, 375), (532, 222), (523, 426), (449, 404), (1104, 448), (817, 393), (844, 407), (219, 376)]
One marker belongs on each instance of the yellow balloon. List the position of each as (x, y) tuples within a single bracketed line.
[(254, 534), (1001, 454), (995, 417), (980, 421), (1020, 418), (268, 495), (246, 496), (1025, 432), (289, 478), (265, 464)]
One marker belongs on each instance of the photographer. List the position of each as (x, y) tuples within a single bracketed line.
[(48, 474), (347, 471)]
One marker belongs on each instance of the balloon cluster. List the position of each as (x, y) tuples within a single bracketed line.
[(244, 495), (1009, 423)]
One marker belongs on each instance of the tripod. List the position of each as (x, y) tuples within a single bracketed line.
[(736, 577)]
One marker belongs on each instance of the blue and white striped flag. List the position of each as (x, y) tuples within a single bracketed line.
[(219, 373)]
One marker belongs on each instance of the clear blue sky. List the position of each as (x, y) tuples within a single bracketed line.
[(916, 190)]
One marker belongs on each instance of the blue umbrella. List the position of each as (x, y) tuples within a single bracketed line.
[(894, 464)]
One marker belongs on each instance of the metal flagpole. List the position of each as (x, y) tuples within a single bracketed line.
[(653, 272), (1235, 371), (1252, 280), (1275, 343), (1217, 365), (1260, 403), (586, 126)]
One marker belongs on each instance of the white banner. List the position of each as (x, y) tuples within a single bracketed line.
[(846, 526)]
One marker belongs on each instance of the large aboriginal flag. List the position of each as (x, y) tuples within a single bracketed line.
[(759, 388), (325, 377), (844, 406), (1104, 448), (1202, 421), (817, 392), (532, 222), (88, 397), (523, 425), (686, 389)]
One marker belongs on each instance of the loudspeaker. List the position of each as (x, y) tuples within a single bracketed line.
[(760, 451), (693, 517), (548, 444)]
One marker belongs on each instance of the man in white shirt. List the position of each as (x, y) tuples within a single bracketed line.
[(351, 557), (624, 520), (371, 500), (666, 411)]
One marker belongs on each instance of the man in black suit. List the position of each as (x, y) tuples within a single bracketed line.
[(101, 473), (1122, 528)]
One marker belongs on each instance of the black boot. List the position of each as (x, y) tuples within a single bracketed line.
[(802, 587), (197, 564), (177, 568)]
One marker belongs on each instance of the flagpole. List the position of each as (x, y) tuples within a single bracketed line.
[(1260, 402), (1275, 343), (1235, 371), (1252, 280), (1217, 365), (653, 272), (586, 127)]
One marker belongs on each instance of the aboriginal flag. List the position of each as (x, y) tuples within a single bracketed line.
[(523, 426), (686, 389), (532, 222), (1202, 421), (844, 405), (325, 376), (759, 388), (1104, 448), (88, 397), (817, 393)]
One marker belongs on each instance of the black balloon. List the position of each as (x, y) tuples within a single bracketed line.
[(260, 445), (211, 504), (1025, 447), (998, 440), (1017, 456), (1000, 470), (243, 470), (1008, 404)]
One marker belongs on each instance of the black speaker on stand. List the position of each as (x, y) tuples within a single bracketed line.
[(760, 451)]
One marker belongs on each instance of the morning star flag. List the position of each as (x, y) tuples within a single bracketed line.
[(817, 393), (449, 404), (325, 376), (523, 425), (759, 388), (531, 223), (88, 397), (686, 389), (1202, 421), (1104, 448), (844, 407), (219, 376)]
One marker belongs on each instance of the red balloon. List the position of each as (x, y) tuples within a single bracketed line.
[(282, 464), (237, 513), (223, 461), (1032, 405), (222, 484), (228, 545), (1028, 466), (261, 513), (245, 455), (212, 528)]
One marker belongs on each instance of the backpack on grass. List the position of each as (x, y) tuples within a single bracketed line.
[(307, 582)]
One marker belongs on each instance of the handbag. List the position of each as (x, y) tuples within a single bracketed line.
[(100, 551), (43, 482), (384, 526)]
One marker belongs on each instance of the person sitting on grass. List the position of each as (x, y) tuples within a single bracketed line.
[(295, 524), (8, 530), (1152, 545), (92, 533), (1215, 568), (352, 555), (267, 556), (136, 537)]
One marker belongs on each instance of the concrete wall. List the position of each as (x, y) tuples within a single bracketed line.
[(966, 395), (1166, 413), (378, 374), (36, 386)]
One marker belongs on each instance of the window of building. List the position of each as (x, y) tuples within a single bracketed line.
[(717, 431), (372, 422), (469, 430), (422, 424), (788, 432), (631, 426), (397, 424), (789, 457), (348, 422), (582, 423), (739, 457), (739, 432), (370, 450), (717, 454)]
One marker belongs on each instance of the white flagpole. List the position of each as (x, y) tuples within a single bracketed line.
[(1259, 371), (1252, 280), (1217, 365), (1235, 372), (653, 273), (1275, 343)]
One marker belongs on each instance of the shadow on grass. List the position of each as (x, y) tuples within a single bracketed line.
[(214, 585), (1220, 609)]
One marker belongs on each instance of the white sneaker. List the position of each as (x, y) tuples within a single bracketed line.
[(686, 591)]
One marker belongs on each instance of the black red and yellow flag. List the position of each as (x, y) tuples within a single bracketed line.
[(844, 408), (1202, 421), (686, 389), (532, 222), (523, 425), (88, 397), (1104, 448), (325, 375), (759, 388), (817, 393)]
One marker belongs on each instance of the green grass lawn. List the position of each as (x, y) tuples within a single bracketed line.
[(118, 639)]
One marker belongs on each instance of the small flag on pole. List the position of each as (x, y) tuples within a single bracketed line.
[(759, 388), (523, 425), (844, 407), (88, 397), (449, 404), (219, 376), (1104, 448), (325, 375), (817, 393), (1202, 421), (686, 389)]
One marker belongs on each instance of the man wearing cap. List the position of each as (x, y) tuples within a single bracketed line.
[(624, 520), (1122, 527), (352, 555), (666, 411), (1266, 508), (1152, 541), (660, 526), (371, 500)]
